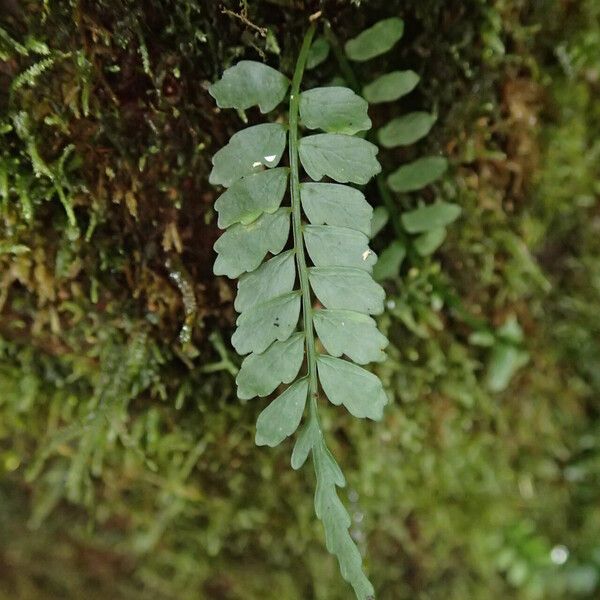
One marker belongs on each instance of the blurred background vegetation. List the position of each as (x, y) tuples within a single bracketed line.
[(127, 465)]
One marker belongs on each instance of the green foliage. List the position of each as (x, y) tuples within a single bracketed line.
[(458, 492), (390, 261), (342, 158), (260, 374), (248, 84), (283, 415), (351, 333), (417, 174), (378, 39), (30, 75), (336, 239), (262, 324), (428, 242), (430, 217), (507, 356), (271, 279), (330, 246), (335, 110), (248, 151), (250, 197), (334, 204), (398, 132), (406, 130), (347, 288), (390, 86), (358, 390), (243, 247)]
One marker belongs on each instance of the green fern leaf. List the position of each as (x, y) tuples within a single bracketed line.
[(331, 224), (343, 158), (335, 110), (260, 374), (348, 288), (380, 219), (389, 262), (400, 131), (251, 196), (330, 246), (405, 130), (390, 87), (281, 418), (334, 204), (273, 278), (242, 247), (378, 39), (427, 243), (336, 520), (417, 174), (318, 53), (10, 46), (357, 389), (30, 75), (351, 333), (248, 151), (264, 323), (426, 218), (250, 83)]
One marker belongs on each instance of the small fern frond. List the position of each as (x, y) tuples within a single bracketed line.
[(31, 74), (399, 132), (9, 47), (327, 259)]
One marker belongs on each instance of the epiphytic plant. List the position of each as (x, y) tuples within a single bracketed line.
[(328, 260), (400, 132), (429, 222)]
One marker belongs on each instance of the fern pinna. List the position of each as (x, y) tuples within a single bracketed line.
[(330, 227)]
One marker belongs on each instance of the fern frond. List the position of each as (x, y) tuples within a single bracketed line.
[(329, 258), (9, 46), (400, 131), (31, 74)]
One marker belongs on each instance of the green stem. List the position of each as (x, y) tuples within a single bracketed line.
[(307, 312), (392, 208), (341, 59)]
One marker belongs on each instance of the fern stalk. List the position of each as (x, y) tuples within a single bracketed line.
[(338, 51), (327, 504), (309, 335)]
